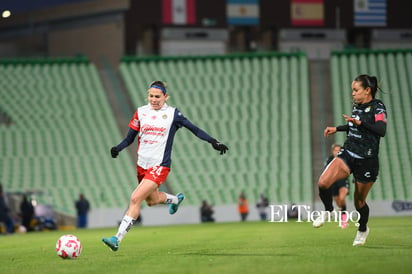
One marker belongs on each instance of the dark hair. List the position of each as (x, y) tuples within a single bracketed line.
[(160, 85), (368, 82)]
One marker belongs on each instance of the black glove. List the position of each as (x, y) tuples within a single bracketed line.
[(219, 146), (114, 152)]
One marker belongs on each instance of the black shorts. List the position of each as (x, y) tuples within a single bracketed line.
[(364, 170), (338, 185)]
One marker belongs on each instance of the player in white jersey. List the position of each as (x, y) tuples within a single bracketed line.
[(155, 125)]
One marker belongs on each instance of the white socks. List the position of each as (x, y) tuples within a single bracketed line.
[(171, 199), (128, 221), (124, 227)]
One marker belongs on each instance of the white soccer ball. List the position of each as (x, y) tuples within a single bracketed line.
[(68, 247)]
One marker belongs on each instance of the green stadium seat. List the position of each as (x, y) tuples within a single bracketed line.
[(62, 130)]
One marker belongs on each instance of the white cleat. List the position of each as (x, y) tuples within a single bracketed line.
[(360, 238), (319, 221)]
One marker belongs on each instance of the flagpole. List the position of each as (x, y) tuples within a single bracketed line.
[(337, 16)]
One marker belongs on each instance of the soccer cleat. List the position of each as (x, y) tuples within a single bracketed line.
[(319, 221), (111, 242), (174, 207), (361, 236)]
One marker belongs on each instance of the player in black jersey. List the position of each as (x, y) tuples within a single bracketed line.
[(359, 154)]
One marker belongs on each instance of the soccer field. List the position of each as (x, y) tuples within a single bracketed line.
[(250, 247)]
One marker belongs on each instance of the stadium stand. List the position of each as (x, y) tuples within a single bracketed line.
[(60, 134), (393, 68), (257, 104)]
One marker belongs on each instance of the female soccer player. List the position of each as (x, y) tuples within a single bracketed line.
[(155, 124), (359, 154)]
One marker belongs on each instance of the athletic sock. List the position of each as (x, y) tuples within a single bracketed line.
[(326, 197), (171, 199), (124, 227), (364, 217), (343, 208)]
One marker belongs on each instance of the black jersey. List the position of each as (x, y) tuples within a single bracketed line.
[(361, 139)]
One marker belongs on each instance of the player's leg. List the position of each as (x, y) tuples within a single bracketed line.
[(142, 191), (365, 175), (361, 192), (341, 202), (173, 201), (343, 191), (336, 170), (158, 174)]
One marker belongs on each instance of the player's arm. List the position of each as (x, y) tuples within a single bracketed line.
[(377, 127), (134, 127), (201, 134), (332, 130), (131, 135)]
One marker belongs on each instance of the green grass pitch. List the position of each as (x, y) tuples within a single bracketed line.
[(250, 247)]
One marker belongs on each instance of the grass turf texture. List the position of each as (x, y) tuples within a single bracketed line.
[(250, 247)]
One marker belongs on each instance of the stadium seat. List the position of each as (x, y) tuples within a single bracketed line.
[(61, 133)]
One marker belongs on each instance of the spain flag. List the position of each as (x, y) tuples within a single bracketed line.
[(307, 12)]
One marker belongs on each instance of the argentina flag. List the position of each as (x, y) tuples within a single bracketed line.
[(242, 12), (369, 13)]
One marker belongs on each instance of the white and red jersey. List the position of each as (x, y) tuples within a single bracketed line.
[(156, 130)]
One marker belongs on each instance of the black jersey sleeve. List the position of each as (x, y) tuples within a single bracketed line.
[(342, 128), (378, 128)]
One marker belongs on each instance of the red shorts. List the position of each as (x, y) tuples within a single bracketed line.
[(157, 174)]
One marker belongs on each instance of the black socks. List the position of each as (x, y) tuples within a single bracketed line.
[(326, 197), (364, 217)]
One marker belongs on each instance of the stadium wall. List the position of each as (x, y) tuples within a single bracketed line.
[(158, 215)]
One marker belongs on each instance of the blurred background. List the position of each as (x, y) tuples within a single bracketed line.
[(264, 77)]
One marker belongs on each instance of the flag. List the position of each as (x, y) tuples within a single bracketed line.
[(307, 12), (370, 13), (242, 12), (179, 12)]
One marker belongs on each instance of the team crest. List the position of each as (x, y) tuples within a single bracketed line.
[(164, 116), (135, 122), (368, 109)]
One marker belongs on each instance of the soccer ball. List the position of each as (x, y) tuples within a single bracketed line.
[(68, 247)]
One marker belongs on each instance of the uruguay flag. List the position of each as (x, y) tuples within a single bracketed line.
[(370, 13), (242, 12)]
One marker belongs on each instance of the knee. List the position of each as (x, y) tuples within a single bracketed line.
[(322, 183), (359, 203), (135, 201), (150, 202)]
